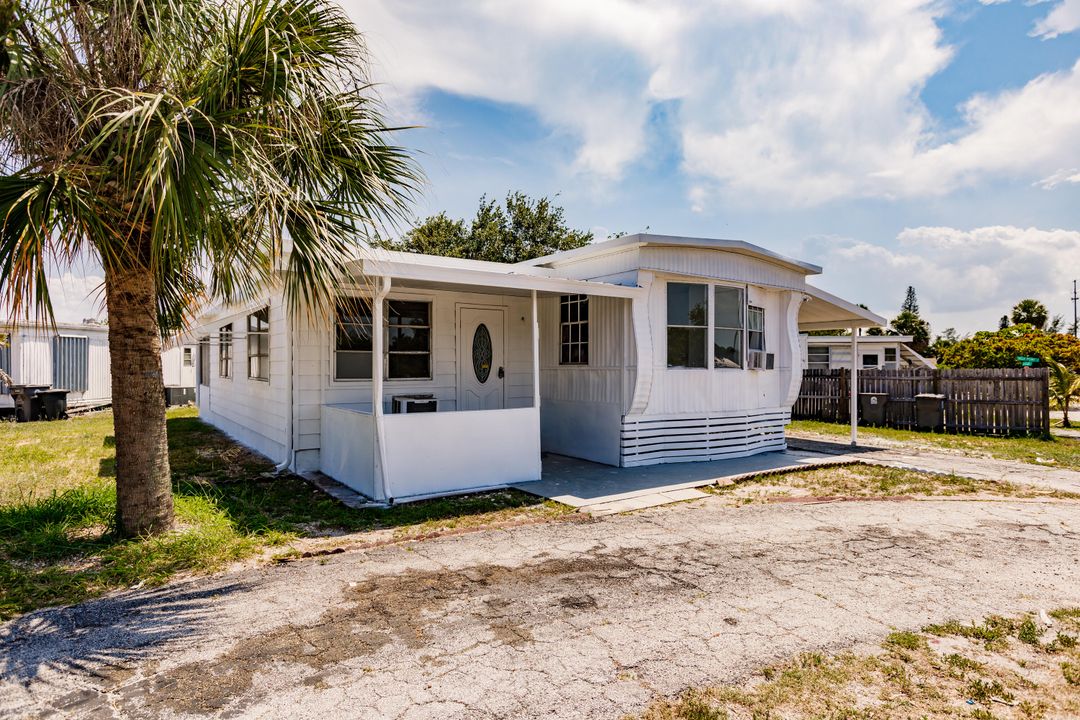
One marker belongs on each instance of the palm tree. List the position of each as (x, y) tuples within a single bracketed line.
[(1064, 387), (1030, 312), (199, 150)]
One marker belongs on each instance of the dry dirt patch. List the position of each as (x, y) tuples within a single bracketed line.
[(1006, 668), (405, 608)]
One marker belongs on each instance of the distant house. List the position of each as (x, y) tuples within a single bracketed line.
[(876, 352), (75, 356), (440, 375)]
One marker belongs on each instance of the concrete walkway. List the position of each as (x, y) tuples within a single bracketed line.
[(571, 619), (602, 489)]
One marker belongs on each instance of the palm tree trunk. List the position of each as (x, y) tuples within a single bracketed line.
[(144, 501)]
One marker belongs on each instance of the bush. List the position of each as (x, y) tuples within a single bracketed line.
[(1001, 348)]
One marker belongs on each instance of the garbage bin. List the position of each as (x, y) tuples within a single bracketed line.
[(27, 403), (930, 411), (53, 403), (872, 407)]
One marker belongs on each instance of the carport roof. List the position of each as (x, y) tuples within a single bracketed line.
[(825, 311)]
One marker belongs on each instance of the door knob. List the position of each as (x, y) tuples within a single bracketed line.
[(502, 373)]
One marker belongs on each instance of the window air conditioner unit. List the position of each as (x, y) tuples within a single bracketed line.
[(759, 360), (413, 404)]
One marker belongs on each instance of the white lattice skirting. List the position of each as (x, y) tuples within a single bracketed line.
[(649, 440)]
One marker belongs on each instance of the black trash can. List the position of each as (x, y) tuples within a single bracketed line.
[(930, 411), (27, 402), (53, 403), (872, 407)]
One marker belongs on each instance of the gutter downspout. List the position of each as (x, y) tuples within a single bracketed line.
[(288, 463)]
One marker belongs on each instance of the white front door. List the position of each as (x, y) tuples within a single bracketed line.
[(481, 358)]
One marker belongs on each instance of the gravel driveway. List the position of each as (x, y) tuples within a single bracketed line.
[(580, 618)]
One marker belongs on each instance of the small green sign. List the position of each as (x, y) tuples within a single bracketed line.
[(1026, 361)]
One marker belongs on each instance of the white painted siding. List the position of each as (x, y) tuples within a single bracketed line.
[(622, 264), (32, 360), (705, 390), (581, 405), (173, 370), (255, 412), (840, 353), (719, 265)]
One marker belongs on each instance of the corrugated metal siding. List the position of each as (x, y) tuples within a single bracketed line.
[(71, 359), (720, 266), (610, 368), (600, 266)]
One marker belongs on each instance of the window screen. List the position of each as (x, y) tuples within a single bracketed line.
[(817, 357), (71, 356), (203, 369), (225, 350), (574, 330), (728, 306), (352, 344), (408, 339), (259, 344), (687, 332)]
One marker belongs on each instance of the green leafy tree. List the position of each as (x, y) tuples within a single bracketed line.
[(1030, 312), (200, 150), (1064, 388), (1003, 322), (1001, 348), (515, 230), (945, 340)]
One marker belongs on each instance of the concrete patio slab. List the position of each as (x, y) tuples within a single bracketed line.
[(603, 489)]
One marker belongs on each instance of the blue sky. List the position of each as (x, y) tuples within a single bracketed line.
[(926, 142)]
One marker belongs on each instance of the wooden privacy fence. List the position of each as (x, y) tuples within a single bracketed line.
[(992, 401)]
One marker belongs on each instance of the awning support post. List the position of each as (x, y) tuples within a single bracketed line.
[(854, 386), (382, 289), (535, 352)]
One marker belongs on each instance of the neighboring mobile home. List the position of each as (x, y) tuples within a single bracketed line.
[(639, 350), (75, 357), (876, 352)]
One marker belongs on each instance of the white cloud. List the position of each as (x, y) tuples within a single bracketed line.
[(795, 101), (1050, 182), (1064, 18), (964, 278)]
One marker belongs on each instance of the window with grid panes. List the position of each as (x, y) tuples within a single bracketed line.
[(574, 330)]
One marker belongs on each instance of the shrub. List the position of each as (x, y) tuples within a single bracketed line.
[(1000, 349)]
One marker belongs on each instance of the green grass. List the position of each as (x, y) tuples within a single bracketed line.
[(1065, 452), (58, 501), (917, 676)]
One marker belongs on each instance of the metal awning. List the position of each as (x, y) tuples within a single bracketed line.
[(825, 311)]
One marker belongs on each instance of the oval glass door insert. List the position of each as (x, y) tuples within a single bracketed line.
[(481, 353)]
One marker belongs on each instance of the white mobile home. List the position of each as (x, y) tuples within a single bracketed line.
[(875, 352), (75, 356), (440, 375)]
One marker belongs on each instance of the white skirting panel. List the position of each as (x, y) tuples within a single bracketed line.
[(651, 440)]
